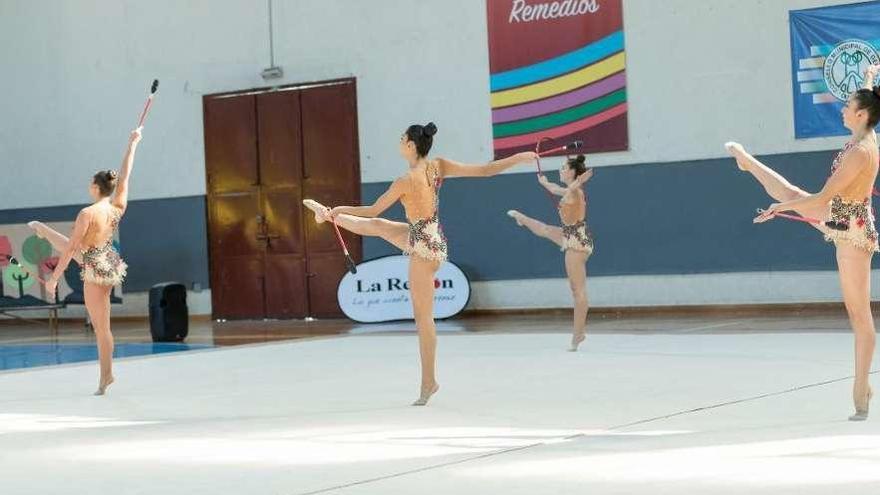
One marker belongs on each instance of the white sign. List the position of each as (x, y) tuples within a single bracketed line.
[(380, 291)]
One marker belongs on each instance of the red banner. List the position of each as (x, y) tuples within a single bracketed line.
[(557, 71)]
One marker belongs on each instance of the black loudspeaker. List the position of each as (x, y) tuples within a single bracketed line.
[(169, 315)]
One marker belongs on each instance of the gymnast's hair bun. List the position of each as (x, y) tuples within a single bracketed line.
[(422, 136), (106, 181), (578, 164)]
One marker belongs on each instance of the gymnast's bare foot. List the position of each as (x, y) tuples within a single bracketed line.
[(426, 394), (39, 228), (737, 151), (516, 216), (576, 341), (102, 386)]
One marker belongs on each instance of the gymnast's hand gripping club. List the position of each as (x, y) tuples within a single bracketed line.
[(568, 147), (763, 216)]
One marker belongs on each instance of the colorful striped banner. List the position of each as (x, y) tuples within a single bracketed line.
[(560, 132), (569, 62), (561, 77), (561, 84), (561, 102), (560, 118)]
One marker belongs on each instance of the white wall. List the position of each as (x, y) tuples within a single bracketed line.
[(75, 73), (700, 73), (77, 77), (604, 292), (713, 289)]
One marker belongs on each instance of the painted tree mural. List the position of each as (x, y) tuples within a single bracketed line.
[(36, 251), (5, 250), (15, 276)]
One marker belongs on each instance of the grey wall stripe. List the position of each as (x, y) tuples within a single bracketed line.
[(161, 239), (657, 218)]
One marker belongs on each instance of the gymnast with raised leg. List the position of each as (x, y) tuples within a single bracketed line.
[(91, 245), (422, 237), (573, 238), (845, 201)]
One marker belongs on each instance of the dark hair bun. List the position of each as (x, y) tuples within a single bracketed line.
[(869, 100), (106, 181), (422, 136), (578, 164)]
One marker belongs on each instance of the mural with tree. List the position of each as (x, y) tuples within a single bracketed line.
[(5, 251)]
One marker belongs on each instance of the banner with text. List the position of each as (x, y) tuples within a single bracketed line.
[(830, 49), (557, 71), (380, 291)]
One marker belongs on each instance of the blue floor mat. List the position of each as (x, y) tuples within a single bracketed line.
[(32, 355)]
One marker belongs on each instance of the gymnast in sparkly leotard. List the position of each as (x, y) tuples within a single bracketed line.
[(573, 237), (421, 236)]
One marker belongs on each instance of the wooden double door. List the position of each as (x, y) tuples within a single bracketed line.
[(265, 151)]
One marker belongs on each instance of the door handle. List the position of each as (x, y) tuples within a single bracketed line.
[(267, 238)]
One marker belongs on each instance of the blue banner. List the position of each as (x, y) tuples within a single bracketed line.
[(830, 49)]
